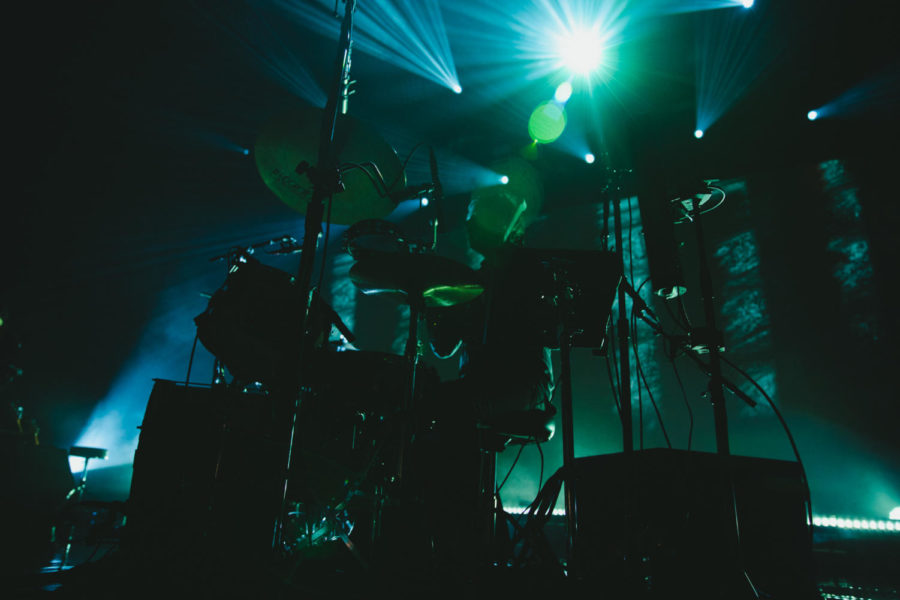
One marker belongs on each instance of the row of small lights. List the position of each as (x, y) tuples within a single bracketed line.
[(857, 524), (836, 522)]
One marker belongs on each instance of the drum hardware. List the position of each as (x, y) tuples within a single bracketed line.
[(87, 453), (428, 280), (421, 280), (694, 201)]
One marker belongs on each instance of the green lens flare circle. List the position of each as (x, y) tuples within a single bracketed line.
[(547, 122)]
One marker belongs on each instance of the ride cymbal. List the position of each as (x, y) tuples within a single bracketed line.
[(292, 138)]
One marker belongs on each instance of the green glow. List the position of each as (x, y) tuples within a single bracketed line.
[(547, 122)]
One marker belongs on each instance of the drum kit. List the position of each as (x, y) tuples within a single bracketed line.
[(354, 412), (353, 418), (355, 409)]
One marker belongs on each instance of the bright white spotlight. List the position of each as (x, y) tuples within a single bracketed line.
[(589, 158), (812, 115), (581, 50), (457, 88), (423, 201), (747, 3), (894, 515), (698, 133), (563, 92), (504, 179)]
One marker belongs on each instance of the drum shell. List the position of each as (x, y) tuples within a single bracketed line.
[(253, 323)]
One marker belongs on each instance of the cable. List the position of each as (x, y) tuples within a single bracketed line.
[(511, 467), (684, 325), (804, 480), (541, 477), (616, 383), (377, 179), (686, 403), (642, 377), (612, 386)]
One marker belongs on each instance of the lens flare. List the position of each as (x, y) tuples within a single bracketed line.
[(547, 122), (563, 92)]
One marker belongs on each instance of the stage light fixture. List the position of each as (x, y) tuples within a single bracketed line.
[(581, 50), (457, 88), (563, 92), (589, 158), (698, 133), (895, 513), (504, 179), (812, 115), (423, 201), (747, 3)]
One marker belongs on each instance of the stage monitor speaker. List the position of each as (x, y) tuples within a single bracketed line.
[(659, 523)]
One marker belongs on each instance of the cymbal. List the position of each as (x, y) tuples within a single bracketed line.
[(293, 137), (438, 281)]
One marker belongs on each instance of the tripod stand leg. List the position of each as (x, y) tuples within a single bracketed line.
[(568, 441)]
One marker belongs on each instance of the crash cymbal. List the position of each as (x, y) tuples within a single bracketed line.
[(293, 137), (436, 280)]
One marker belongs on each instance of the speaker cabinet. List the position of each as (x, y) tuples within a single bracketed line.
[(661, 523), (207, 472)]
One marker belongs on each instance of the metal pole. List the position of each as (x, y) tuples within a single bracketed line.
[(326, 180)]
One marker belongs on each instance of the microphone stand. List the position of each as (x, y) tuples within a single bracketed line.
[(711, 338), (710, 335), (622, 328), (326, 180)]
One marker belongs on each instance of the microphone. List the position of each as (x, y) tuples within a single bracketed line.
[(639, 302), (438, 188)]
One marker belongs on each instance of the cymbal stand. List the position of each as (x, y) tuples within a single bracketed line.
[(710, 338), (326, 180)]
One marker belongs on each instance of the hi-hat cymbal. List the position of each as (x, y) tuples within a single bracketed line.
[(435, 280), (293, 137)]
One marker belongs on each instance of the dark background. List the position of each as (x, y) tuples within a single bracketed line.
[(122, 184)]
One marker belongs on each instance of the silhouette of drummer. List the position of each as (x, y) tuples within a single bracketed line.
[(503, 366)]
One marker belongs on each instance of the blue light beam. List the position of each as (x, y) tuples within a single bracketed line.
[(732, 50), (255, 33), (409, 35), (875, 96)]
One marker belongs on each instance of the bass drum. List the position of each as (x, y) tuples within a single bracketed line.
[(253, 323), (348, 425), (347, 440)]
